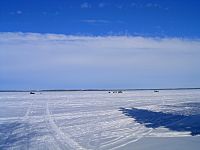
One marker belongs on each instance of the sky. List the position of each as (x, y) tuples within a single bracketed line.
[(87, 44)]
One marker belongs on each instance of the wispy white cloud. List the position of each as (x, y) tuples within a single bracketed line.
[(95, 21), (102, 21), (133, 4), (70, 58), (101, 5), (148, 5), (153, 5), (44, 13), (119, 6), (86, 5), (18, 12)]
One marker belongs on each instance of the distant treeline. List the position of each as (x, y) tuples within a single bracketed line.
[(63, 90)]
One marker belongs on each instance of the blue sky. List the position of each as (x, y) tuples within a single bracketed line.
[(65, 44), (176, 18)]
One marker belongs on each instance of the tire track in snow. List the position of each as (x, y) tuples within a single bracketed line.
[(28, 111), (63, 140), (143, 135), (132, 141), (124, 140), (26, 119), (139, 137), (18, 122)]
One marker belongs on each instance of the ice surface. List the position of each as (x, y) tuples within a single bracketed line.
[(97, 120)]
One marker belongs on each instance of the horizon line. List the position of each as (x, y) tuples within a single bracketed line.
[(93, 89)]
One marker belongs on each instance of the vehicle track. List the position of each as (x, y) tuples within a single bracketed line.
[(26, 120), (62, 139), (19, 121)]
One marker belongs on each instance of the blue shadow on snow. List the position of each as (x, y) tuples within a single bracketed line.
[(172, 121)]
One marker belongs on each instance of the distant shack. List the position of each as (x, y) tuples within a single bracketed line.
[(115, 92)]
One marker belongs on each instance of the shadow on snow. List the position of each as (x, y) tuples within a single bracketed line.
[(173, 121)]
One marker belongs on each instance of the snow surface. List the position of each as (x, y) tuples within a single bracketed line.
[(96, 120)]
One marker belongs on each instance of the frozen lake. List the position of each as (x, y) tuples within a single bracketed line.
[(100, 120)]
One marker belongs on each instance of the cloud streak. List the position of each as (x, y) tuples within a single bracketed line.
[(97, 61), (96, 21), (101, 5), (86, 5)]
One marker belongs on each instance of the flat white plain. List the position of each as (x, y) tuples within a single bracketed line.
[(87, 119)]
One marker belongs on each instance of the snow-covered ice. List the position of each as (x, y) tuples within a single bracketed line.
[(96, 120)]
